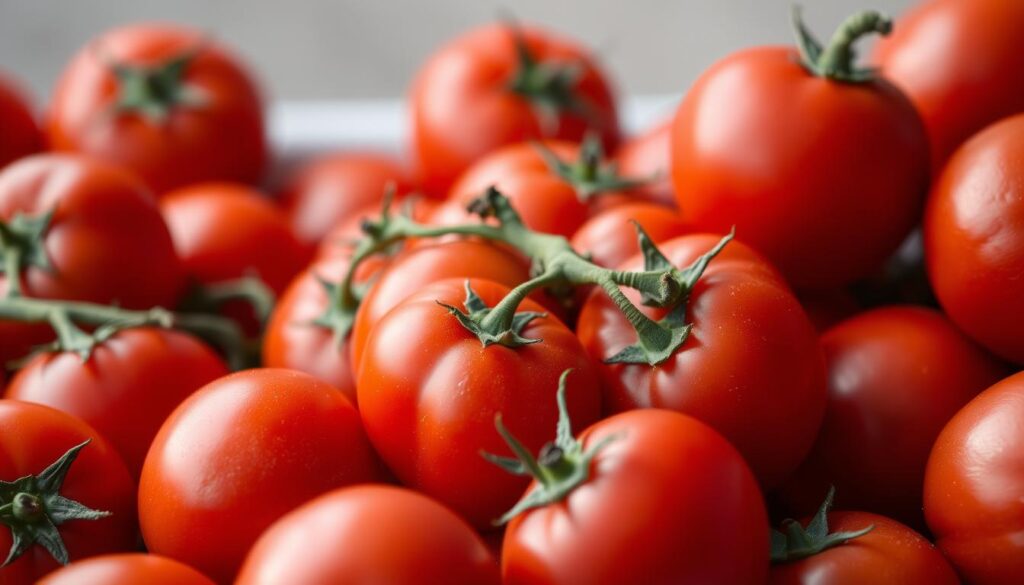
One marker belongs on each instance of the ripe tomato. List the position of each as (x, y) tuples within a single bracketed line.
[(239, 454), (890, 554), (126, 389), (824, 177), (668, 501), (974, 238), (896, 377), (342, 238), (974, 486), (498, 85), (333, 188), (751, 356), (127, 569), (33, 437), (649, 156), (610, 238), (20, 136), (370, 533), (428, 394), (164, 101), (951, 57)]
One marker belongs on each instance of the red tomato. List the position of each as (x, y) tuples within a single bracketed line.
[(974, 238), (333, 188), (20, 136), (342, 238), (428, 394), (974, 486), (32, 437), (164, 101), (126, 389), (610, 237), (475, 95), (370, 534), (751, 356), (669, 501), (896, 377), (891, 554), (239, 454), (649, 156), (825, 178), (127, 569), (951, 57)]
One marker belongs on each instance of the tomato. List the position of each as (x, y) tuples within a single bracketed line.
[(822, 176), (974, 486), (239, 454), (890, 554), (342, 238), (610, 237), (165, 101), (498, 85), (126, 389), (33, 437), (20, 136), (974, 238), (127, 569), (668, 501), (896, 377), (370, 534), (751, 355), (649, 155), (428, 394), (951, 57), (333, 188)]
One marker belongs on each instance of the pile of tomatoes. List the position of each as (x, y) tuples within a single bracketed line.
[(773, 339)]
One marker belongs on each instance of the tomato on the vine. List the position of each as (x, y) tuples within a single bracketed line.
[(610, 238), (649, 156), (20, 136), (165, 101), (127, 569)]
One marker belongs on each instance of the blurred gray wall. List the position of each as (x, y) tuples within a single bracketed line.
[(331, 49)]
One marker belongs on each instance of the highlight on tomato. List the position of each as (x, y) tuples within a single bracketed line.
[(127, 569)]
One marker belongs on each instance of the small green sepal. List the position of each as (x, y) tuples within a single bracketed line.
[(797, 542), (473, 320), (592, 174), (837, 60)]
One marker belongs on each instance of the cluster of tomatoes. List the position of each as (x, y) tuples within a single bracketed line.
[(539, 352)]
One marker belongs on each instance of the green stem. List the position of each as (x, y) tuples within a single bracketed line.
[(839, 55), (12, 268)]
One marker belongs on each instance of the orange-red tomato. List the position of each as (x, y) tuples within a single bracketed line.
[(239, 454), (974, 238), (127, 569), (891, 554), (974, 487), (20, 136), (649, 156), (952, 58), (127, 387), (463, 102), (751, 356), (370, 534), (201, 120), (610, 237)]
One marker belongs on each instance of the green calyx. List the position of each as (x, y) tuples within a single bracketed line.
[(32, 508), (210, 298), (21, 246), (153, 92), (549, 86), (797, 542), (837, 60), (561, 467), (490, 331), (592, 174)]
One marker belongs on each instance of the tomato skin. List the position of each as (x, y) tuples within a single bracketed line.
[(649, 156), (896, 377), (760, 144), (951, 58), (669, 501), (20, 136), (32, 437), (127, 389), (334, 187), (127, 569), (974, 225), (974, 486), (239, 454), (891, 554), (370, 534), (342, 238), (221, 140), (461, 107), (610, 237), (428, 394)]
